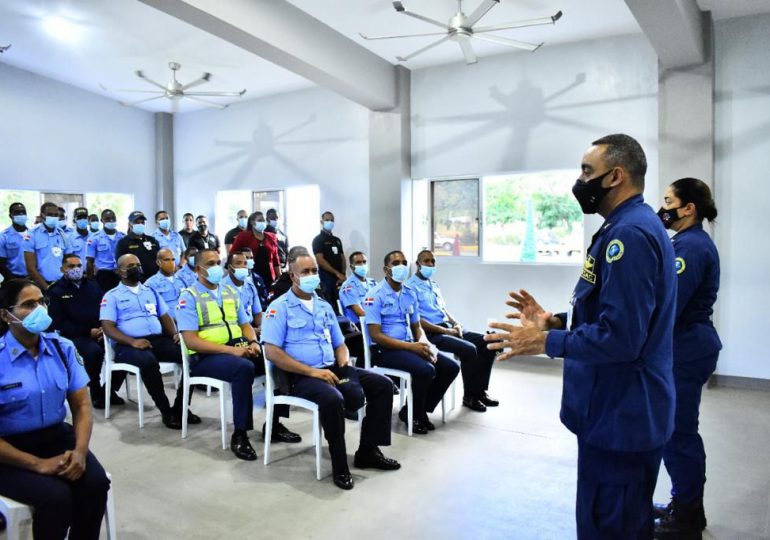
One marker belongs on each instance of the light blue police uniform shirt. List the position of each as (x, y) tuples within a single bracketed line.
[(173, 242), (390, 309), (32, 392), (79, 244), (187, 311), (430, 302), (307, 337), (353, 291), (136, 315), (101, 247), (169, 288), (187, 275), (49, 247), (249, 296), (12, 249)]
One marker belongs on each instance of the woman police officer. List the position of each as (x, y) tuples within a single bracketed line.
[(687, 203), (45, 462)]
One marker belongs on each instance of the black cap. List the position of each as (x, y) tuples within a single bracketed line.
[(136, 215), (81, 213)]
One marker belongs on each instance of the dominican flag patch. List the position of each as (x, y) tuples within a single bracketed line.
[(347, 289), (104, 301), (368, 301), (181, 304), (270, 314)]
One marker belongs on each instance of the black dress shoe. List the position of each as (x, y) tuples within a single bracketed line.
[(193, 418), (343, 480), (98, 402), (428, 424), (488, 401), (681, 521), (115, 399), (375, 460), (351, 415), (241, 447), (172, 421), (474, 404), (281, 433)]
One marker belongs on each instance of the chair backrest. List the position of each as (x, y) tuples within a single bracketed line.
[(367, 346), (269, 382), (109, 352), (185, 356)]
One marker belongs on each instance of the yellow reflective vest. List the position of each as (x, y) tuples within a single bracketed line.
[(217, 324)]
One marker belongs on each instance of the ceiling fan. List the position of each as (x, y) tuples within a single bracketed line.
[(175, 90), (461, 30)]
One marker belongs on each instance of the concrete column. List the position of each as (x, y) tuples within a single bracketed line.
[(164, 164)]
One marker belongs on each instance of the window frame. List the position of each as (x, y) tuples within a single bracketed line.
[(451, 258)]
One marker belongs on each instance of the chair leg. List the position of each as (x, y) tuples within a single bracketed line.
[(223, 416), (140, 398), (176, 377), (318, 436), (12, 526), (268, 428), (409, 406), (208, 391), (185, 399), (107, 392), (109, 514), (443, 410), (401, 392)]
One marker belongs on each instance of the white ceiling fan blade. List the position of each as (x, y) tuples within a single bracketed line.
[(480, 11), (215, 94), (141, 75), (468, 52), (372, 38), (399, 6), (206, 77), (132, 103), (206, 102), (531, 47), (130, 90), (420, 51), (519, 24)]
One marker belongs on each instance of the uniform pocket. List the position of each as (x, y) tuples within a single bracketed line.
[(13, 399)]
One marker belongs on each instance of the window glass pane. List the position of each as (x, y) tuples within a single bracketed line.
[(532, 217), (303, 206), (120, 203), (456, 217), (228, 204), (421, 215), (30, 200)]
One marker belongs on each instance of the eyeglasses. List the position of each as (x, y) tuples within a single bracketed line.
[(32, 304)]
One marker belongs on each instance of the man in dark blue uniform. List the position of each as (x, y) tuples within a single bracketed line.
[(618, 395)]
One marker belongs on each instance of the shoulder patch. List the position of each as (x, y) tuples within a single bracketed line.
[(680, 265), (270, 314), (369, 301), (104, 301), (615, 250), (347, 288)]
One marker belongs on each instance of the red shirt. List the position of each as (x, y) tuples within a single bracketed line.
[(265, 253)]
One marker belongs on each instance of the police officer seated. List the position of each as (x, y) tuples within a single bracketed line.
[(165, 282), (12, 263), (223, 344), (187, 274), (45, 247), (388, 307), (75, 312), (45, 462), (101, 262), (140, 244), (137, 320), (302, 337), (354, 290), (448, 335)]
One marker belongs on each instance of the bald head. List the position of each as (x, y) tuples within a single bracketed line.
[(124, 261), (129, 270), (166, 262)]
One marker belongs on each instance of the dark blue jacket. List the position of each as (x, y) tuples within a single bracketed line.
[(74, 310), (618, 384)]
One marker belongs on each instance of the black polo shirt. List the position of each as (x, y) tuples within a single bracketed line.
[(211, 241), (185, 236), (231, 234), (330, 247), (144, 247)]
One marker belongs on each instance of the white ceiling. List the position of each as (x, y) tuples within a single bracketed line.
[(114, 38)]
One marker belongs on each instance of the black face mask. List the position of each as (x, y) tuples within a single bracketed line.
[(134, 274), (669, 217), (203, 228), (589, 194)]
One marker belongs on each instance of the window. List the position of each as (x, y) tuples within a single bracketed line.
[(532, 217), (30, 200), (455, 217), (265, 200), (120, 203), (228, 205)]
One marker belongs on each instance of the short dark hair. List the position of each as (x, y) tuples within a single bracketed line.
[(233, 254), (48, 205), (692, 190), (69, 256), (625, 151), (423, 251), (389, 256), (295, 253), (272, 211), (189, 250), (253, 218), (327, 213), (186, 214), (352, 256), (93, 217), (159, 212), (204, 251), (9, 295), (106, 211), (245, 250), (17, 206), (200, 216)]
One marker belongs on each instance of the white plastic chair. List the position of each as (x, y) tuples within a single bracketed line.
[(404, 378), (271, 400), (110, 365), (18, 517)]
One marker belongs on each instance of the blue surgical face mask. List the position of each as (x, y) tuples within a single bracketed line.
[(399, 273), (259, 226), (62, 223), (361, 270), (138, 229), (164, 224), (110, 225), (242, 222), (51, 221), (273, 223), (307, 284), (215, 274), (82, 223), (20, 219), (37, 321), (241, 273), (250, 264), (427, 271), (328, 226), (94, 225), (191, 262)]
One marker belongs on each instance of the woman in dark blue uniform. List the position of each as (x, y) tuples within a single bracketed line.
[(687, 203), (45, 462)]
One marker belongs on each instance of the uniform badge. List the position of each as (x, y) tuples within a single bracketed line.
[(588, 270), (270, 314), (347, 289), (615, 250), (368, 301), (147, 245), (104, 302), (680, 265)]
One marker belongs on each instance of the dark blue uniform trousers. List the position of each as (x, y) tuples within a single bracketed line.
[(59, 504), (163, 350), (684, 455), (361, 387), (429, 381), (239, 372), (614, 493), (93, 357), (475, 359)]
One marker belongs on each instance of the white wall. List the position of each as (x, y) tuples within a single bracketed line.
[(305, 137), (528, 112), (59, 138), (742, 192)]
